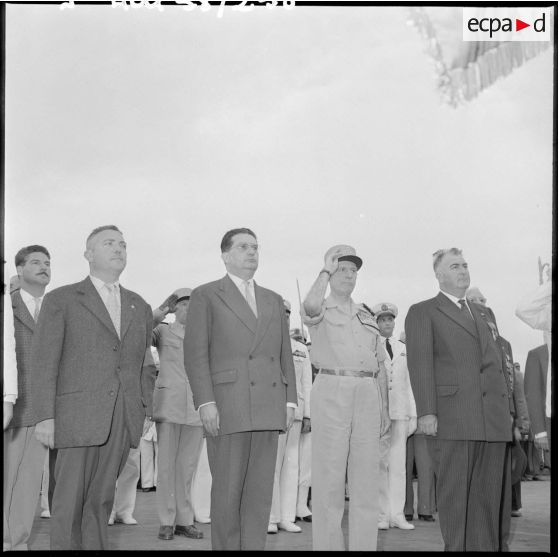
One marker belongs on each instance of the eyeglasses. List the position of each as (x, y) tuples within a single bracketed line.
[(245, 246)]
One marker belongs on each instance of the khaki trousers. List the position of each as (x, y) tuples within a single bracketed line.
[(345, 442), (304, 474), (24, 458), (393, 470), (201, 486), (178, 455), (126, 486), (285, 483)]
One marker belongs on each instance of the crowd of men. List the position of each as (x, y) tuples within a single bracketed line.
[(228, 404)]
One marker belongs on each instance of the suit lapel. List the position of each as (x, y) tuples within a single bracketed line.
[(90, 298), (265, 311), (446, 306), (232, 297), (21, 312)]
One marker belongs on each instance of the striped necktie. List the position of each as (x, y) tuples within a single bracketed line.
[(37, 308), (465, 310), (113, 306), (250, 298)]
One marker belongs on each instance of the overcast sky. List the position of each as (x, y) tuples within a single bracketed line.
[(313, 127)]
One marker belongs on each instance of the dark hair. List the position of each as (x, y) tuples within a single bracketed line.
[(226, 243), (24, 253), (101, 229)]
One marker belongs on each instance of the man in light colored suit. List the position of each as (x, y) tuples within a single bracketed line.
[(88, 352), (179, 429), (285, 485), (403, 416), (463, 406), (237, 355), (24, 455)]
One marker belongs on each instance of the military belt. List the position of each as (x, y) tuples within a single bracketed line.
[(350, 373)]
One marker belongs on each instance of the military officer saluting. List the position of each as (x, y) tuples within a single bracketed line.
[(349, 405)]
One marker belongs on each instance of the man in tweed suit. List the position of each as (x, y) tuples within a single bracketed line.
[(24, 455), (88, 352), (463, 407), (237, 354)]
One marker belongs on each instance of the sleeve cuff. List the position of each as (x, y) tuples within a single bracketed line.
[(204, 404), (540, 435), (292, 405), (10, 398)]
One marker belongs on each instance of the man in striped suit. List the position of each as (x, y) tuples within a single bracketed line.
[(463, 407)]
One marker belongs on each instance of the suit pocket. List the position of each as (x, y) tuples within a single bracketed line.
[(445, 391), (69, 393), (224, 377)]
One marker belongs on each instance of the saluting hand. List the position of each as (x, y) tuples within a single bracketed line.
[(330, 259), (209, 416), (169, 304)]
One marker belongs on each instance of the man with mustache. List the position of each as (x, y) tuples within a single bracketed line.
[(88, 352), (24, 455)]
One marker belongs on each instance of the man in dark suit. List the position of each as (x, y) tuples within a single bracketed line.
[(535, 384), (24, 455), (237, 354), (463, 407), (88, 352)]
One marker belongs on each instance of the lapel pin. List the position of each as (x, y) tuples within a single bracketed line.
[(132, 307)]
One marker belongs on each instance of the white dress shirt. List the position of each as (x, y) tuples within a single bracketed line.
[(99, 284), (29, 301), (456, 299)]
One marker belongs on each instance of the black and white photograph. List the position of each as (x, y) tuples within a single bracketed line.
[(277, 276)]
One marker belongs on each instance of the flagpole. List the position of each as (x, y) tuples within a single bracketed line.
[(300, 313)]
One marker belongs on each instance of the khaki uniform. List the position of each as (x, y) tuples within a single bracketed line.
[(345, 426), (179, 429)]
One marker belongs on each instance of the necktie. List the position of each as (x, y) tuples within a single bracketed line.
[(465, 310), (250, 298), (113, 307), (37, 308), (389, 349)]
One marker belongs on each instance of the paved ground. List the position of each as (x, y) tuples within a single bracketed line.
[(530, 533)]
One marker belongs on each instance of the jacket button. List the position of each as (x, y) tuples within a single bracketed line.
[(118, 368), (115, 348), (272, 359), (111, 393), (484, 393), (274, 384), (250, 357)]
